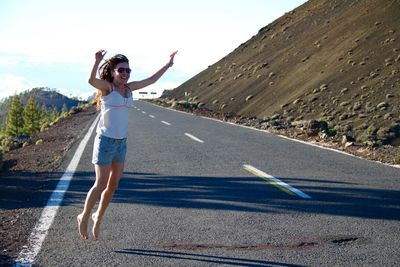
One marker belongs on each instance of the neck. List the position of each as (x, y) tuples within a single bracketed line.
[(119, 85)]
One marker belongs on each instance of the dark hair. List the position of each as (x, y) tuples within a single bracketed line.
[(110, 64), (105, 72)]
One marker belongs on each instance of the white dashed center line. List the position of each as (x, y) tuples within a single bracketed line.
[(194, 138), (166, 123), (276, 182)]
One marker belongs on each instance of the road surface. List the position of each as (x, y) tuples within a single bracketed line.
[(198, 192)]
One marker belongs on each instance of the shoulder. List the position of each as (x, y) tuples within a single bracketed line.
[(107, 89)]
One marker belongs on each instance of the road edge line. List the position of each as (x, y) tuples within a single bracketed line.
[(29, 252)]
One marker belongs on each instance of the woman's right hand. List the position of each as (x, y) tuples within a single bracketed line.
[(100, 55)]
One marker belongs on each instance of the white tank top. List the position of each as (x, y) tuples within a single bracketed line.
[(113, 121)]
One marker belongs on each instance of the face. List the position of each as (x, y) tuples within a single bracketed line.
[(121, 72)]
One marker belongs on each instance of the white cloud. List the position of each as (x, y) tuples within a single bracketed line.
[(160, 86), (157, 88), (9, 60), (86, 96), (76, 93), (11, 84)]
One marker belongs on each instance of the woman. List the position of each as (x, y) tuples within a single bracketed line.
[(114, 98)]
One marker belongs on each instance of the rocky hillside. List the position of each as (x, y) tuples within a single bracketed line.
[(336, 61)]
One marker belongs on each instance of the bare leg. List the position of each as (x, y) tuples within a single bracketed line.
[(106, 196), (102, 177)]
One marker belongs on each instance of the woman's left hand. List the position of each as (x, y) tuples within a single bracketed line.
[(171, 60)]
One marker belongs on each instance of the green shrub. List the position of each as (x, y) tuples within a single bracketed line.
[(331, 132), (75, 110), (44, 127), (8, 144)]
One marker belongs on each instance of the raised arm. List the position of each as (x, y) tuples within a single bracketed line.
[(100, 84), (135, 85)]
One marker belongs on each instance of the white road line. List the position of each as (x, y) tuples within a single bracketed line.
[(144, 112), (28, 254), (151, 116), (276, 182), (194, 138), (166, 123)]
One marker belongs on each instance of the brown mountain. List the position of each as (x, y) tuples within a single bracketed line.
[(333, 61)]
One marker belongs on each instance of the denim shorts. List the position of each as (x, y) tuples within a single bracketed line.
[(106, 150)]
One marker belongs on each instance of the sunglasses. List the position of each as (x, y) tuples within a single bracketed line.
[(122, 70)]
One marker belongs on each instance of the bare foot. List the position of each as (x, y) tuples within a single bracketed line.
[(82, 226), (96, 226)]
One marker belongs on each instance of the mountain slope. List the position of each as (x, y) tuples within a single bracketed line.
[(336, 61), (43, 96)]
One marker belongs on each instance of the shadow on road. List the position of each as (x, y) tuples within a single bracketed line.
[(22, 189), (250, 194), (201, 258)]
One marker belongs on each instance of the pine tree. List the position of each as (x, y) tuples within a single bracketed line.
[(44, 115), (31, 117), (54, 114), (15, 121), (64, 110)]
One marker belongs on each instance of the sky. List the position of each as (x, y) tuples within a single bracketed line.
[(52, 43)]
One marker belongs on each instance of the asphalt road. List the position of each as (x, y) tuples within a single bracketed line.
[(184, 201)]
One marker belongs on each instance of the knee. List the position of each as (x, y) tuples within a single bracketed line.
[(99, 188), (112, 187)]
